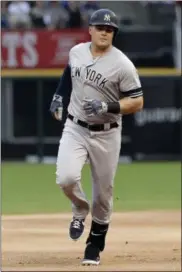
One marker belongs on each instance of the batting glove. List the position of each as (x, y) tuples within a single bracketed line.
[(94, 107), (56, 107)]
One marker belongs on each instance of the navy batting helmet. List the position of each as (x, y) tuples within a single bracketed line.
[(104, 17)]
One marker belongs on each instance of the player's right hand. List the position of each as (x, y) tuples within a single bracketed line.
[(56, 107)]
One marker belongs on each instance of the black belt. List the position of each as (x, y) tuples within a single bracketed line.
[(96, 127)]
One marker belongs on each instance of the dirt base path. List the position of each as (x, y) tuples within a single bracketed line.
[(137, 241)]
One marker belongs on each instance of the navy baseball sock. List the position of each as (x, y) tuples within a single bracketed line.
[(97, 235)]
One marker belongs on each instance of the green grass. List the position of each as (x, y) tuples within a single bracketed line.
[(29, 188)]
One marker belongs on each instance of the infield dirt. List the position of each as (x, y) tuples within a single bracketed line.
[(136, 241)]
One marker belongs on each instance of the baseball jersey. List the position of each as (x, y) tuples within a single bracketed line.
[(107, 78)]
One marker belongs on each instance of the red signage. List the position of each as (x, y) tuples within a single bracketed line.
[(39, 49)]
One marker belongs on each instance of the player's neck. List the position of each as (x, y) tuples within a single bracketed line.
[(97, 52)]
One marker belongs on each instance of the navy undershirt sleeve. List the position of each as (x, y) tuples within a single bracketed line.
[(65, 83), (64, 89)]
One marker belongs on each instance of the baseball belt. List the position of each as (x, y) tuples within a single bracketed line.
[(95, 127)]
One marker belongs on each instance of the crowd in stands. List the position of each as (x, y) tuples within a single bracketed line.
[(46, 14), (75, 14)]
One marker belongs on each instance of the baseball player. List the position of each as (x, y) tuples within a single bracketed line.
[(102, 84)]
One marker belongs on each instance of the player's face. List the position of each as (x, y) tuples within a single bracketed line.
[(102, 35)]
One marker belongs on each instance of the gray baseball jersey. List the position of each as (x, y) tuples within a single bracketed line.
[(106, 78)]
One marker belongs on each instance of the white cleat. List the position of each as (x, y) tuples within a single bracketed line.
[(91, 262), (91, 255)]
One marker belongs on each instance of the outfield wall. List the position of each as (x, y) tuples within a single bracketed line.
[(28, 128)]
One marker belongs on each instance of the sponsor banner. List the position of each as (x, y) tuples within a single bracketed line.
[(39, 49), (157, 126)]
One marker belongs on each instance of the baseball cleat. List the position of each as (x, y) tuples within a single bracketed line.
[(91, 256), (76, 228)]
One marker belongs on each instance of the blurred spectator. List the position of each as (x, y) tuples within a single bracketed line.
[(4, 17), (18, 14), (64, 4), (75, 18), (87, 8), (55, 16), (160, 13), (157, 2), (37, 14)]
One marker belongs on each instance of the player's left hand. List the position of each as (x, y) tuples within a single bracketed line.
[(94, 107)]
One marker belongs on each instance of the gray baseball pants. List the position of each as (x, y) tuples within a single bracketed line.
[(77, 146)]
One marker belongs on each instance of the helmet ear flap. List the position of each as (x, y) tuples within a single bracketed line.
[(115, 35), (116, 38)]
